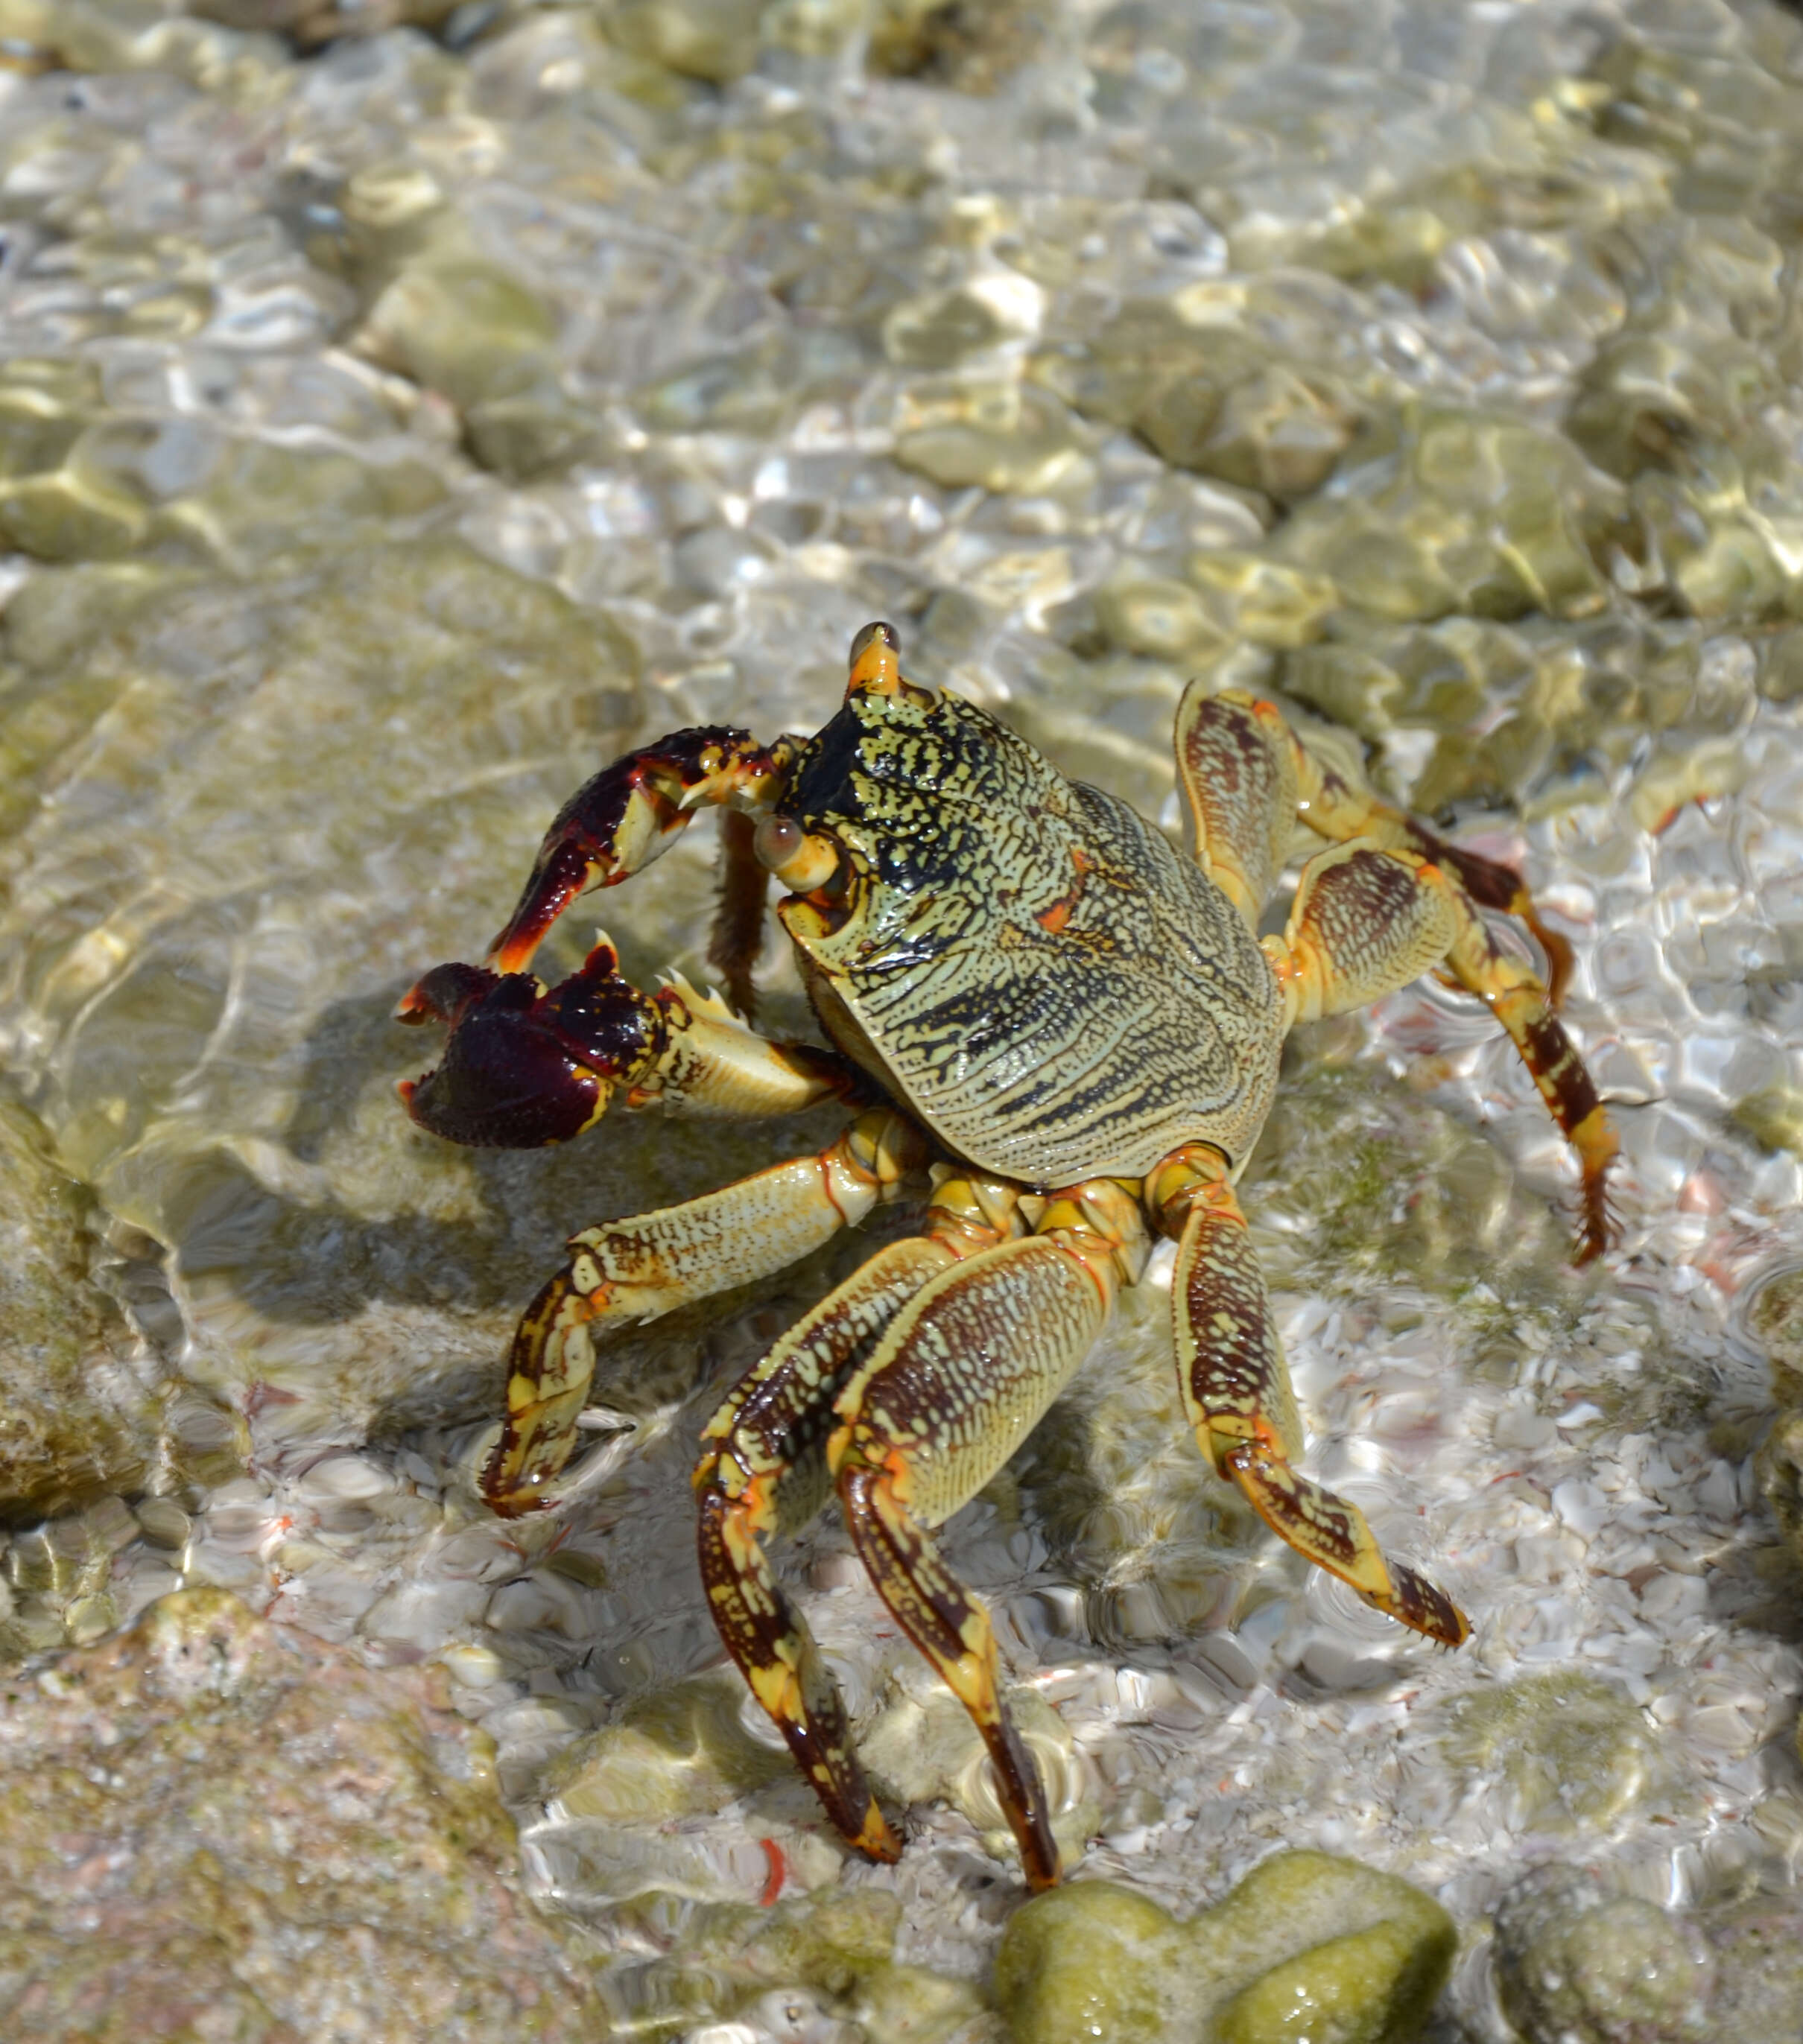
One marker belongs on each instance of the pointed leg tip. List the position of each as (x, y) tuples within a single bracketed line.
[(1416, 1603), (1600, 1227), (876, 1840)]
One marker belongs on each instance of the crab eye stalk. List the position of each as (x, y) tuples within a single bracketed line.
[(801, 859), (876, 662)]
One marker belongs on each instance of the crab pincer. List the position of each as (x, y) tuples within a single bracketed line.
[(618, 822), (525, 1064)]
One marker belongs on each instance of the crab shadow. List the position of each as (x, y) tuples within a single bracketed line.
[(384, 1218)]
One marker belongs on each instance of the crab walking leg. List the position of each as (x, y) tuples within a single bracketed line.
[(1329, 805), (1524, 1007), (736, 935), (617, 823), (949, 1393), (763, 1472), (624, 1271), (1236, 768), (1246, 775), (1235, 1387), (1366, 921)]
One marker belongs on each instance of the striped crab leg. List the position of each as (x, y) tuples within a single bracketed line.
[(964, 1372), (763, 1472), (622, 1272), (1391, 901), (1235, 1389)]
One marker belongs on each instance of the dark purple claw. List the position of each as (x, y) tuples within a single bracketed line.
[(523, 1066), (617, 823)]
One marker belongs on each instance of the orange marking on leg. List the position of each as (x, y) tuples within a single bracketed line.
[(824, 1163), (778, 1874), (895, 1467)]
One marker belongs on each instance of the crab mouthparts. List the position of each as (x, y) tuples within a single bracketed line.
[(524, 1066)]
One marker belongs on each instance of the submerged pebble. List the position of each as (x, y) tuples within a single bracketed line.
[(1307, 1941)]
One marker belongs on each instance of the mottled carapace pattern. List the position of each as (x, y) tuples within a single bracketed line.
[(1063, 1031), (1058, 993)]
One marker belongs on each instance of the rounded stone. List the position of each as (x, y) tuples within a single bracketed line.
[(1089, 1961), (1577, 1965), (1308, 1943)]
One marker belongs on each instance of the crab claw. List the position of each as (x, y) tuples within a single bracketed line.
[(617, 823), (523, 1065), (608, 828)]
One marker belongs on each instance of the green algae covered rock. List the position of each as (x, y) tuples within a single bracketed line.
[(1090, 1960), (1307, 1944), (293, 1845), (76, 1420), (1577, 1965), (1570, 1752), (714, 40)]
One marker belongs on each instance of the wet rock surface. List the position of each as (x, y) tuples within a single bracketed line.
[(218, 1826), (77, 1419), (1307, 1940), (1577, 1960), (405, 408)]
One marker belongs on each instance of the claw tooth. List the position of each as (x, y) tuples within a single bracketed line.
[(697, 1002)]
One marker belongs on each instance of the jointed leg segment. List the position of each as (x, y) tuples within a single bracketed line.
[(1389, 901), (966, 1369), (630, 1270), (1230, 1370), (763, 1472), (934, 1360)]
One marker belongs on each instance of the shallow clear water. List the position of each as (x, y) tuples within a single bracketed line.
[(391, 437)]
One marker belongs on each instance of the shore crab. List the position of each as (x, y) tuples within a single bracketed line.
[(1064, 1029)]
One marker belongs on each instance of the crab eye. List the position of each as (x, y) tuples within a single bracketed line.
[(876, 663), (886, 633), (801, 860), (776, 841)]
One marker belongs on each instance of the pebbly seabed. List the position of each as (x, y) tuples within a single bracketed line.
[(405, 408)]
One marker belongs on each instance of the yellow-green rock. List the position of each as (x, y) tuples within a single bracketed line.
[(460, 322), (1017, 443), (1576, 1963), (1269, 602), (1774, 1117), (679, 1752), (76, 1416), (714, 40), (1571, 1753), (1157, 615), (1090, 1963), (1281, 431), (1308, 1945)]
